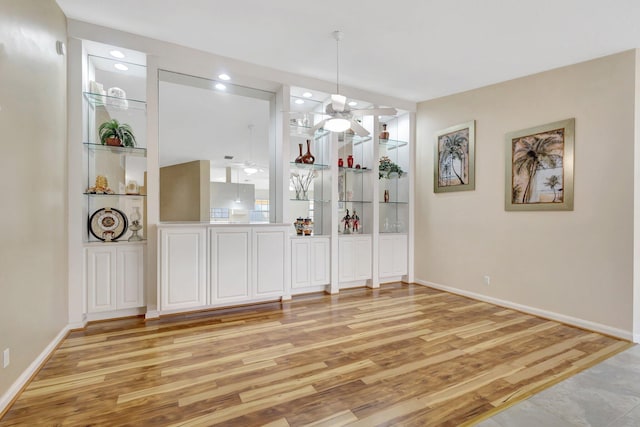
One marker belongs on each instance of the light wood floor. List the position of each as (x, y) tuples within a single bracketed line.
[(400, 355)]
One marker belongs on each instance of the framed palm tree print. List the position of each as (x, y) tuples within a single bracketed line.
[(454, 158), (539, 169)]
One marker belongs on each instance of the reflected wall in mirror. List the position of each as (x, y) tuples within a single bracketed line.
[(214, 151)]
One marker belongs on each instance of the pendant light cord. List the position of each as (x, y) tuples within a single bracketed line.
[(338, 36)]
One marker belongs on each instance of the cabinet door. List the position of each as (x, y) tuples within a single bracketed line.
[(130, 277), (319, 262), (230, 263), (183, 268), (269, 261), (386, 256), (399, 255), (300, 263), (101, 279), (346, 259), (362, 256)]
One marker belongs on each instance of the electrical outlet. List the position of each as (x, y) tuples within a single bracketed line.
[(6, 357), (487, 280)]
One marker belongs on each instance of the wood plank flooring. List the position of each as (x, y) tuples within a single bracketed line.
[(400, 355)]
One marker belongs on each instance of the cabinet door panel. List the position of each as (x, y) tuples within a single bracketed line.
[(269, 251), (231, 268), (130, 267), (300, 265), (320, 262), (347, 260), (101, 279), (362, 255), (386, 256), (183, 273), (400, 255)]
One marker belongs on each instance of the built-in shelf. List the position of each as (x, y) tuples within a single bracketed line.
[(355, 170), (115, 149), (353, 139), (114, 195), (392, 143), (355, 201), (115, 103), (394, 203), (310, 200), (306, 166)]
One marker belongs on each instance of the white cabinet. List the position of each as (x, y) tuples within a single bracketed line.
[(114, 277), (230, 259), (310, 262), (392, 259), (183, 268), (270, 262), (354, 254)]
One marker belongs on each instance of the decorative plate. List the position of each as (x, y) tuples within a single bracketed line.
[(108, 224)]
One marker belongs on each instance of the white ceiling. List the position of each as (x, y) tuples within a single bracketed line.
[(410, 49)]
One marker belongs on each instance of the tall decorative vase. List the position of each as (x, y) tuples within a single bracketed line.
[(308, 158), (299, 158), (384, 134), (350, 161)]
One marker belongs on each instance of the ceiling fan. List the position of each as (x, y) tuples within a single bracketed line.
[(341, 117)]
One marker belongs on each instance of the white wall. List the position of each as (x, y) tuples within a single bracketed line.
[(33, 253), (577, 264)]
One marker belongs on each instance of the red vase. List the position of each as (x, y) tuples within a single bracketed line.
[(299, 158), (308, 157), (350, 161), (340, 162)]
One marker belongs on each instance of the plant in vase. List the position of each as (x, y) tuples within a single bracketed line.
[(115, 133), (301, 182), (388, 169)]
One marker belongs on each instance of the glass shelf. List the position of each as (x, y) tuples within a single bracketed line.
[(392, 143), (112, 102), (310, 200), (303, 131), (115, 149), (354, 139), (394, 203), (355, 170), (355, 201), (306, 166), (113, 195)]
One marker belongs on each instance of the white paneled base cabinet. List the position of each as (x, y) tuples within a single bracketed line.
[(392, 260), (354, 253), (114, 277), (310, 262), (213, 266)]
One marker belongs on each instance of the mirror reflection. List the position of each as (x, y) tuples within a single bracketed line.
[(214, 150)]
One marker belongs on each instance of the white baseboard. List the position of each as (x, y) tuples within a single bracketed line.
[(569, 320), (24, 378), (152, 314), (636, 338)]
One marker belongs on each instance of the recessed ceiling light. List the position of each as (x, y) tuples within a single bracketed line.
[(116, 54), (220, 86), (353, 104), (224, 77), (120, 67), (307, 94), (299, 101), (250, 170)]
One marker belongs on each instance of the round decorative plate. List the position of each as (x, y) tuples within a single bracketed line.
[(108, 224)]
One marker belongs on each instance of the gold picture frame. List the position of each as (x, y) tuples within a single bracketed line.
[(539, 167), (454, 158)]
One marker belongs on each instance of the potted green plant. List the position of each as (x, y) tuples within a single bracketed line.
[(388, 169), (116, 134)]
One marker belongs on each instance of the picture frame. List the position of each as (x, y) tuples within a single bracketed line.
[(539, 167), (454, 158)]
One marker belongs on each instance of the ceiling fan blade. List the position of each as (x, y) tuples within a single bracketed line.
[(376, 111), (359, 130), (317, 126), (338, 102)]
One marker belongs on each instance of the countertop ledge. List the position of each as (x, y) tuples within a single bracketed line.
[(219, 224)]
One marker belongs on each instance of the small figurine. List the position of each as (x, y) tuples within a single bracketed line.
[(346, 220), (355, 222), (101, 187)]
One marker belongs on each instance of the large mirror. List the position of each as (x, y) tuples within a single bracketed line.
[(215, 144)]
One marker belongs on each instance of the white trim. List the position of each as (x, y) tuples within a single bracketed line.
[(636, 338), (28, 373), (569, 320), (152, 315)]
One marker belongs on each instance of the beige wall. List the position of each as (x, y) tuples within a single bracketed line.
[(184, 191), (576, 263), (33, 253)]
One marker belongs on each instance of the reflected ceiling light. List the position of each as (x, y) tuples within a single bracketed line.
[(337, 125), (299, 101), (353, 104), (224, 77), (116, 54), (220, 86), (250, 170), (307, 94), (120, 67)]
